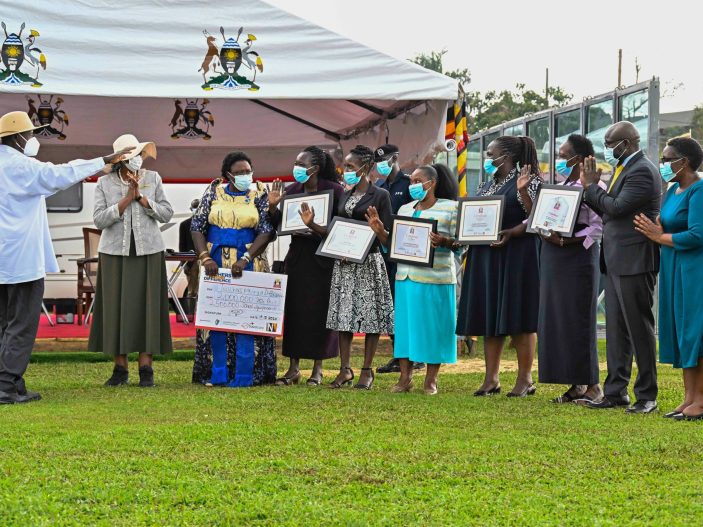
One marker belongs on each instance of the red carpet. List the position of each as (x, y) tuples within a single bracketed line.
[(74, 331)]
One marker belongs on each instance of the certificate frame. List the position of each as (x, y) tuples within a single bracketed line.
[(474, 201), (394, 255), (294, 200), (571, 195), (336, 229)]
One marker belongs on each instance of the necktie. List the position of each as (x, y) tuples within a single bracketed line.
[(618, 170)]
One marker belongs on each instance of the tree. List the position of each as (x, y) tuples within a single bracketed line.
[(433, 62), (494, 107), (697, 123)]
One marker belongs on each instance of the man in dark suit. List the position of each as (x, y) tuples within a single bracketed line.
[(630, 262)]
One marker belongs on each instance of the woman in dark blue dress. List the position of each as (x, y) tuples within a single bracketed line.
[(500, 289)]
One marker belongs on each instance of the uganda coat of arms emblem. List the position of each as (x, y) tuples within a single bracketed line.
[(15, 54), (48, 114), (193, 121), (230, 57)]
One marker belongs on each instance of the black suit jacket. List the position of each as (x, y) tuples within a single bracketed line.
[(375, 197), (638, 190)]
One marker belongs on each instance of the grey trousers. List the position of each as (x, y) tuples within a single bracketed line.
[(629, 328), (20, 309)]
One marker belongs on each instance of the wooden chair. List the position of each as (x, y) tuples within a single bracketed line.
[(87, 271)]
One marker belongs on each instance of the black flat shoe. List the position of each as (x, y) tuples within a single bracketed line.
[(120, 376), (146, 377), (698, 417), (368, 386), (392, 366), (642, 407), (483, 393), (530, 390), (336, 384)]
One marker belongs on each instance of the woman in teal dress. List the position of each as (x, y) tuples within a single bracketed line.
[(679, 231), (425, 297)]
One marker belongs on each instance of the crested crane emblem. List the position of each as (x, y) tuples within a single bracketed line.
[(193, 121), (229, 58), (17, 53), (50, 114)]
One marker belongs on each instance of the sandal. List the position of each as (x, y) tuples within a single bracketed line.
[(312, 381), (337, 383), (368, 386), (287, 381), (567, 397)]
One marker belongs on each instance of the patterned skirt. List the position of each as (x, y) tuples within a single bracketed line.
[(360, 299), (264, 361)]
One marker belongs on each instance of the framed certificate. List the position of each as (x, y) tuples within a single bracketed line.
[(555, 210), (479, 220), (347, 239), (320, 202), (410, 241)]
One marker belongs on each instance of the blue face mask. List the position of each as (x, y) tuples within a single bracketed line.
[(243, 181), (609, 155), (562, 168), (351, 178), (384, 167), (417, 191), (667, 172), (300, 174), (488, 166)]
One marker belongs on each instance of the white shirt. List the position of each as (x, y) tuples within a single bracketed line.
[(26, 252)]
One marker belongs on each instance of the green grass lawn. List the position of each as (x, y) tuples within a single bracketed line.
[(187, 455)]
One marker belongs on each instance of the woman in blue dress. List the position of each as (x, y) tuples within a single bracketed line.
[(425, 301), (679, 231), (231, 229)]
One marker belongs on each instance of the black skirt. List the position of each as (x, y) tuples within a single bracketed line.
[(566, 335), (305, 333), (500, 290)]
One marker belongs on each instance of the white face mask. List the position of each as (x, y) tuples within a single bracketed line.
[(134, 164), (31, 147)]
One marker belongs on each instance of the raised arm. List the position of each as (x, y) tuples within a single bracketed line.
[(637, 190), (46, 179)]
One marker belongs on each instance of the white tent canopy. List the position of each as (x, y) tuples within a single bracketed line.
[(97, 69)]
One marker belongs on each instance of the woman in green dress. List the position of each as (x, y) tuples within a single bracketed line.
[(679, 231), (131, 293)]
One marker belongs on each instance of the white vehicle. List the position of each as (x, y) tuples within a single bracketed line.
[(72, 210)]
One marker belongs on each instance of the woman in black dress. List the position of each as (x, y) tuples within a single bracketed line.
[(500, 288), (569, 276), (305, 335)]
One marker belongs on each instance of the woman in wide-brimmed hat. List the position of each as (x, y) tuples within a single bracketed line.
[(131, 294)]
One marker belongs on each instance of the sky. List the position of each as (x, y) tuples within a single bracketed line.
[(506, 42)]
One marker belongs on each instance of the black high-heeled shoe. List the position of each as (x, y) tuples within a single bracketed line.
[(336, 384), (483, 393), (368, 386), (530, 390)]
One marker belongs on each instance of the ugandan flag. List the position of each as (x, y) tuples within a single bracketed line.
[(457, 130)]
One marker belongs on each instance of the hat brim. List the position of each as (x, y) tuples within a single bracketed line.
[(15, 132), (148, 147)]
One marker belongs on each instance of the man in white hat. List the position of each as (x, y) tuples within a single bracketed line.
[(26, 253)]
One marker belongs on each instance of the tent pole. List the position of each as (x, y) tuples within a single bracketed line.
[(365, 106), (334, 135)]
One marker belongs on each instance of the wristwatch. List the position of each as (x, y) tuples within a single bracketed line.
[(138, 197), (246, 256)]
